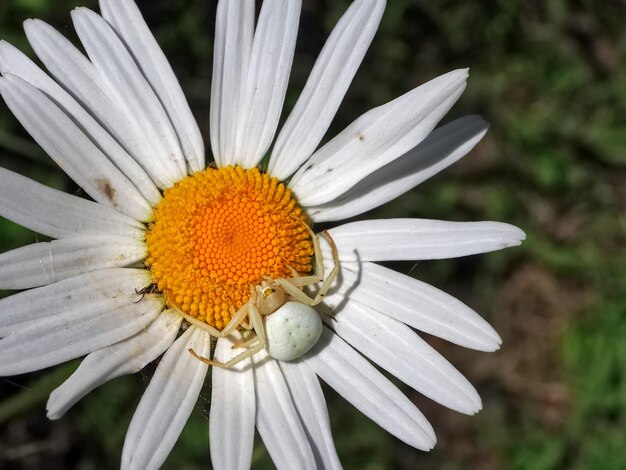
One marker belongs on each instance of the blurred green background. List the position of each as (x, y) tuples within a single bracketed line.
[(551, 79)]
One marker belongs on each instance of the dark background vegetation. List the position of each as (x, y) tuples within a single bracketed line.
[(550, 77)]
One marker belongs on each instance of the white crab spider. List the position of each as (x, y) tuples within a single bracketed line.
[(280, 314)]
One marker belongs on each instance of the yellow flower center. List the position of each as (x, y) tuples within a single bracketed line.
[(220, 231)]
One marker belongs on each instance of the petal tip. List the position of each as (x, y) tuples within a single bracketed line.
[(518, 237), (478, 121), (430, 443), (493, 343), (477, 403), (470, 408), (487, 341), (80, 10), (52, 411), (32, 23), (463, 73), (511, 235), (52, 415)]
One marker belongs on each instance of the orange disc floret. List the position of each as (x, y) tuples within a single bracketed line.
[(220, 231)]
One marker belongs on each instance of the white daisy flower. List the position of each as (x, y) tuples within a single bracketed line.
[(170, 244)]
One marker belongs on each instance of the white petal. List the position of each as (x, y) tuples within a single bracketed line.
[(95, 291), (129, 87), (74, 333), (375, 139), (327, 85), (267, 78), (127, 21), (167, 402), (71, 149), (440, 149), (311, 406), (231, 420), (234, 30), (277, 419), (126, 357), (421, 239), (57, 214), (397, 349), (77, 75), (412, 302), (44, 263), (354, 378), (15, 62)]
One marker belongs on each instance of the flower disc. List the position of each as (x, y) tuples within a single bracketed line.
[(219, 232)]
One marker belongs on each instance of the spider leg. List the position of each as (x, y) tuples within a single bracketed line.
[(319, 265), (318, 268), (195, 322), (259, 329), (294, 292), (234, 361), (294, 273), (334, 272), (236, 320), (302, 281), (245, 344), (257, 324), (291, 285)]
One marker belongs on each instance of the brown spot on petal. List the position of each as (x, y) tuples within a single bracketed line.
[(104, 185)]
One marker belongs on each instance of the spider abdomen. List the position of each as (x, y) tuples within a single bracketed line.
[(292, 330)]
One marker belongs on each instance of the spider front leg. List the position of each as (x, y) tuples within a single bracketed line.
[(259, 330), (333, 273), (318, 269), (291, 285), (200, 324), (236, 320)]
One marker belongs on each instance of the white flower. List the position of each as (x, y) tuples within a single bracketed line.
[(119, 125)]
